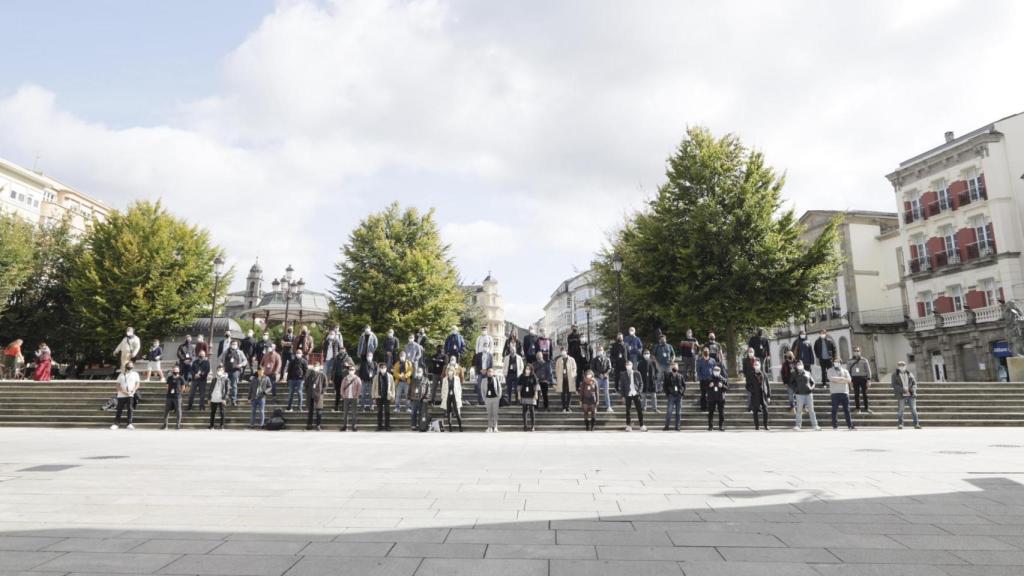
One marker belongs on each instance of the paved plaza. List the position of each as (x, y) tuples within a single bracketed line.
[(879, 502)]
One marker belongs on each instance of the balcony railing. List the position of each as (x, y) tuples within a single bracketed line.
[(920, 264), (957, 318), (988, 314), (981, 249), (939, 206), (926, 323), (912, 215), (883, 316), (947, 258)]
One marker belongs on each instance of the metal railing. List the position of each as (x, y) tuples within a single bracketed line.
[(920, 264), (981, 249), (946, 258)]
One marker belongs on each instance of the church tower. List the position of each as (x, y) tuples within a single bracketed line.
[(254, 286)]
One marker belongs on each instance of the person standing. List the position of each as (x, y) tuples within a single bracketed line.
[(803, 351), (384, 395), (759, 342), (454, 344), (588, 400), (351, 387), (305, 343), (127, 386), (484, 342), (200, 373), (631, 385), (786, 373), (224, 344), (172, 401), (825, 352), (367, 372), (634, 346), (512, 343), (664, 355), (287, 351), (248, 346), (689, 350), (748, 373), (202, 346), (271, 364), (367, 347), (860, 372), (574, 343), (414, 352), (332, 347), (419, 391), (601, 366), (451, 395), (259, 386), (339, 369), (390, 348), (530, 343), (839, 381), (218, 397), (482, 361), (544, 345), (565, 374), (804, 384), (649, 370), (403, 372), (44, 363), (760, 391), (528, 393), (297, 369), (717, 387), (715, 349), (706, 365), (674, 385), (542, 368), (492, 398), (422, 340), (438, 362), (617, 355), (904, 389), (514, 365), (153, 357), (186, 354), (12, 354), (233, 361), (315, 384), (128, 349)]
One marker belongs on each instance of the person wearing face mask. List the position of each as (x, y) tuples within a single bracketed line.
[(528, 391), (367, 371), (839, 381), (804, 384), (332, 346), (128, 349), (259, 388), (825, 352), (705, 369), (186, 355), (617, 355), (297, 369), (674, 385), (218, 397), (565, 377), (631, 385), (339, 369), (172, 400), (422, 340), (484, 342), (634, 346), (287, 349), (402, 371), (904, 389), (454, 344), (248, 347), (390, 347), (689, 350), (414, 352), (200, 373), (262, 347), (351, 388), (271, 364), (233, 360), (224, 344), (542, 368), (512, 343), (492, 398), (451, 395), (588, 400), (202, 346), (153, 358), (786, 374), (601, 366), (127, 386), (574, 345), (860, 373), (648, 368), (748, 373), (482, 361), (514, 365), (438, 365), (315, 384), (664, 355), (760, 393), (530, 343), (803, 351), (717, 387), (383, 395), (760, 345), (367, 346), (419, 391), (715, 349), (544, 345)]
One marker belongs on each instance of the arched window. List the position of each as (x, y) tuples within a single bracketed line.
[(844, 348)]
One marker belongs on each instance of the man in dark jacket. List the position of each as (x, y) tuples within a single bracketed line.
[(315, 384), (904, 389), (186, 355), (825, 352), (175, 384), (233, 361), (297, 369), (339, 369), (803, 351), (760, 392), (631, 386), (530, 344), (649, 370), (248, 346), (617, 355), (454, 344), (390, 347), (860, 371), (437, 368), (367, 347), (674, 385), (601, 366), (760, 345), (715, 349), (200, 372), (717, 387), (689, 350), (575, 346)]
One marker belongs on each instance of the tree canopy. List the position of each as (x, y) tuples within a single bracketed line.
[(715, 250), (16, 237)]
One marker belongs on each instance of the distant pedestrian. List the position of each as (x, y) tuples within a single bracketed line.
[(904, 388), (825, 352), (542, 368), (351, 387), (631, 385), (153, 357), (172, 400), (649, 370), (44, 363), (451, 396), (588, 400), (260, 386), (127, 386), (492, 398), (528, 393), (860, 373), (804, 388), (219, 397), (315, 384), (200, 373), (297, 369), (760, 391), (384, 394), (128, 349), (565, 375), (674, 386), (717, 388), (601, 366)]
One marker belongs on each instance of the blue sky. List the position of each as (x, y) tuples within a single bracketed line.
[(532, 127)]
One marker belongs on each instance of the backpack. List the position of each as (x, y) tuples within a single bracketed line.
[(277, 421)]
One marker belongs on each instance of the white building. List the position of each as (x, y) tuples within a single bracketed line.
[(492, 306), (570, 304), (962, 236), (869, 307), (41, 199)]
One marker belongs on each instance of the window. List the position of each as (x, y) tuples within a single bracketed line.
[(988, 286), (975, 185), (21, 197), (14, 195), (945, 202), (957, 294), (925, 298), (915, 206)]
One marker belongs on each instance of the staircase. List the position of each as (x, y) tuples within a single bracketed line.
[(76, 403)]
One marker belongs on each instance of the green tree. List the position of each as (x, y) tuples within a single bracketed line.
[(715, 249), (16, 237), (395, 272), (40, 310), (143, 268)]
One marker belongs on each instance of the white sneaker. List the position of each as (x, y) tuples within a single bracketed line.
[(796, 428), (130, 427), (113, 426), (629, 428), (495, 428), (609, 410), (643, 428), (490, 430)]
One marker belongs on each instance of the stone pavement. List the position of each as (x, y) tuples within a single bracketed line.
[(882, 502)]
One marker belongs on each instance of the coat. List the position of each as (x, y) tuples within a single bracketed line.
[(760, 390), (259, 387), (271, 363), (367, 345), (543, 371), (760, 346), (821, 344), (219, 390), (351, 386), (528, 389), (376, 383), (484, 343), (859, 368), (673, 384), (601, 366), (403, 371), (664, 355), (717, 389), (634, 346), (649, 370), (802, 351), (455, 384), (530, 346), (588, 392), (127, 350), (617, 354), (495, 381), (316, 385), (340, 367), (705, 367), (513, 366), (303, 342), (565, 365), (803, 382), (638, 381), (454, 344), (897, 384)]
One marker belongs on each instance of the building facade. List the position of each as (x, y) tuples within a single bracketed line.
[(869, 308), (571, 304), (41, 199), (962, 209), (492, 307), (293, 306)]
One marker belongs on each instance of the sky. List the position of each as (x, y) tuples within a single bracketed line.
[(533, 128)]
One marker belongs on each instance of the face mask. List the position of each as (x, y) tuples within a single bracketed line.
[(717, 373), (750, 354), (803, 336), (647, 356), (129, 333), (757, 366)]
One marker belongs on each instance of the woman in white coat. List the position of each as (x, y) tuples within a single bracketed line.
[(490, 387), (451, 395)]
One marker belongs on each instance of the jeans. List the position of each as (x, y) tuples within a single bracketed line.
[(844, 401), (602, 384), (349, 410), (198, 386), (792, 397), (214, 408), (383, 414), (718, 405), (479, 394), (675, 403), (630, 402), (173, 403), (529, 415), (257, 409), (544, 394), (651, 401), (510, 383), (566, 398), (366, 396), (492, 412), (295, 391), (825, 363), (401, 394), (860, 388), (901, 402), (233, 386), (186, 371), (801, 401), (417, 407), (453, 408), (123, 403), (273, 384), (589, 415), (314, 415), (704, 395)]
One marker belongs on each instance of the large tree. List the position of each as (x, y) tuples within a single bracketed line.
[(143, 268), (395, 272), (716, 250), (16, 254)]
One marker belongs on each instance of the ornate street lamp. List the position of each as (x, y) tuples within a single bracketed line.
[(617, 266), (218, 269), (289, 289)]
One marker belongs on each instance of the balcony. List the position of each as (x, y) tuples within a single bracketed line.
[(883, 316), (981, 249), (976, 195), (988, 314), (938, 207), (920, 264), (912, 215), (925, 323), (953, 319), (946, 258)]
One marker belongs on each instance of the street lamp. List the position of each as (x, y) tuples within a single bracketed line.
[(218, 269), (289, 290), (590, 347), (617, 266)]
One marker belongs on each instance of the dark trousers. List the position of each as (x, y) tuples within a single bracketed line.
[(198, 386), (453, 409), (123, 403), (825, 365), (510, 384), (718, 405), (529, 417), (186, 371), (416, 408), (566, 398), (860, 388), (634, 401), (349, 410), (313, 413), (764, 414), (675, 406), (589, 418), (436, 385), (704, 394), (844, 401), (216, 407), (543, 394), (383, 414), (173, 403)]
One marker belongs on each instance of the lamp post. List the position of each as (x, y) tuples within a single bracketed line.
[(590, 348), (617, 266), (290, 289), (218, 269)]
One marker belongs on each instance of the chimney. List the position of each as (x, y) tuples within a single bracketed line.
[(949, 136)]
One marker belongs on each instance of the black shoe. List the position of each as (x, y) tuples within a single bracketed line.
[(710, 428), (164, 427), (677, 428), (344, 428), (318, 429), (665, 429), (721, 428)]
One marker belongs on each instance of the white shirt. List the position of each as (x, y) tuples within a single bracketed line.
[(484, 343), (839, 380), (127, 384)]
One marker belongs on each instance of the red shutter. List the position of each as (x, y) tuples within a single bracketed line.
[(913, 251), (965, 236), (981, 179), (955, 189), (974, 299), (927, 199), (920, 309), (935, 245), (943, 304), (991, 235), (1001, 297)]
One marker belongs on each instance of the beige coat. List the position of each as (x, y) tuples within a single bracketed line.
[(568, 364), (458, 394), (375, 383)]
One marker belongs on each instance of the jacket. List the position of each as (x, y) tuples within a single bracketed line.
[(897, 384), (367, 345), (219, 390), (271, 363), (859, 368), (717, 389), (543, 371), (351, 386), (315, 384), (449, 384), (200, 370), (402, 371), (304, 342), (786, 373), (674, 384), (601, 366), (760, 346), (259, 387), (513, 366), (617, 355), (705, 368), (574, 345), (389, 384), (802, 351), (186, 352), (821, 344), (528, 388), (340, 366), (233, 360), (390, 348), (565, 372), (437, 364), (332, 347), (174, 385), (419, 389), (489, 382), (803, 382), (638, 383), (297, 368), (484, 343), (649, 370), (154, 354), (634, 346), (760, 390), (530, 346), (248, 346), (588, 392), (664, 355), (454, 344), (512, 343), (839, 380), (414, 352), (128, 349)]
